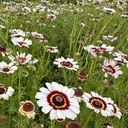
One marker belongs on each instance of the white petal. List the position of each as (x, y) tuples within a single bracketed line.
[(46, 109), (44, 90), (70, 92), (53, 114), (60, 114)]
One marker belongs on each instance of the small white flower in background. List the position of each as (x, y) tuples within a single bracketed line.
[(109, 10), (110, 68), (33, 61), (120, 57), (7, 68), (66, 63), (21, 42), (27, 108), (98, 103), (1, 26), (52, 49), (109, 38), (59, 100), (20, 59), (5, 93), (51, 17), (37, 35)]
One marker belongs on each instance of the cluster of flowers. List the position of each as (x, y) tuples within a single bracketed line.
[(63, 102), (109, 66)]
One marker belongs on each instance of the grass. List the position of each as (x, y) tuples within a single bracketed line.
[(65, 32)]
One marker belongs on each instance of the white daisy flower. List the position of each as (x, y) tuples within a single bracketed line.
[(52, 49), (5, 93), (7, 68), (27, 108), (110, 68), (98, 103), (66, 63), (58, 100), (20, 58), (109, 10), (110, 38), (37, 35), (21, 42)]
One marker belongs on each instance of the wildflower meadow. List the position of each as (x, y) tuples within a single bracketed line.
[(63, 64)]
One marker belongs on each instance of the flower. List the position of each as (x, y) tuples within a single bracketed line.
[(115, 111), (109, 67), (110, 38), (66, 63), (108, 10), (78, 93), (20, 58), (51, 17), (94, 50), (5, 93), (98, 103), (120, 57), (52, 49), (59, 100), (2, 50), (3, 120), (7, 68), (72, 124), (82, 75), (21, 42), (27, 108), (37, 35)]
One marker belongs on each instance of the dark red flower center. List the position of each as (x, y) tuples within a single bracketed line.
[(2, 90), (109, 69), (28, 106), (22, 43), (20, 60), (79, 92), (98, 103), (6, 69), (2, 49), (67, 64), (58, 100)]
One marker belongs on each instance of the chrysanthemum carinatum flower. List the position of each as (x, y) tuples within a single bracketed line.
[(110, 38), (115, 111), (21, 42), (83, 75), (7, 68), (120, 57), (37, 35), (72, 124), (52, 49), (20, 59), (2, 50), (59, 100), (27, 108), (110, 67), (109, 10), (5, 93), (98, 103), (94, 50), (66, 63)]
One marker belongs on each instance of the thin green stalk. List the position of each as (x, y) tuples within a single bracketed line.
[(52, 123)]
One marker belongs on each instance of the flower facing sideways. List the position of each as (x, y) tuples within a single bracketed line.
[(7, 68), (52, 49), (59, 100), (27, 108), (5, 93), (110, 67), (66, 63), (98, 103)]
